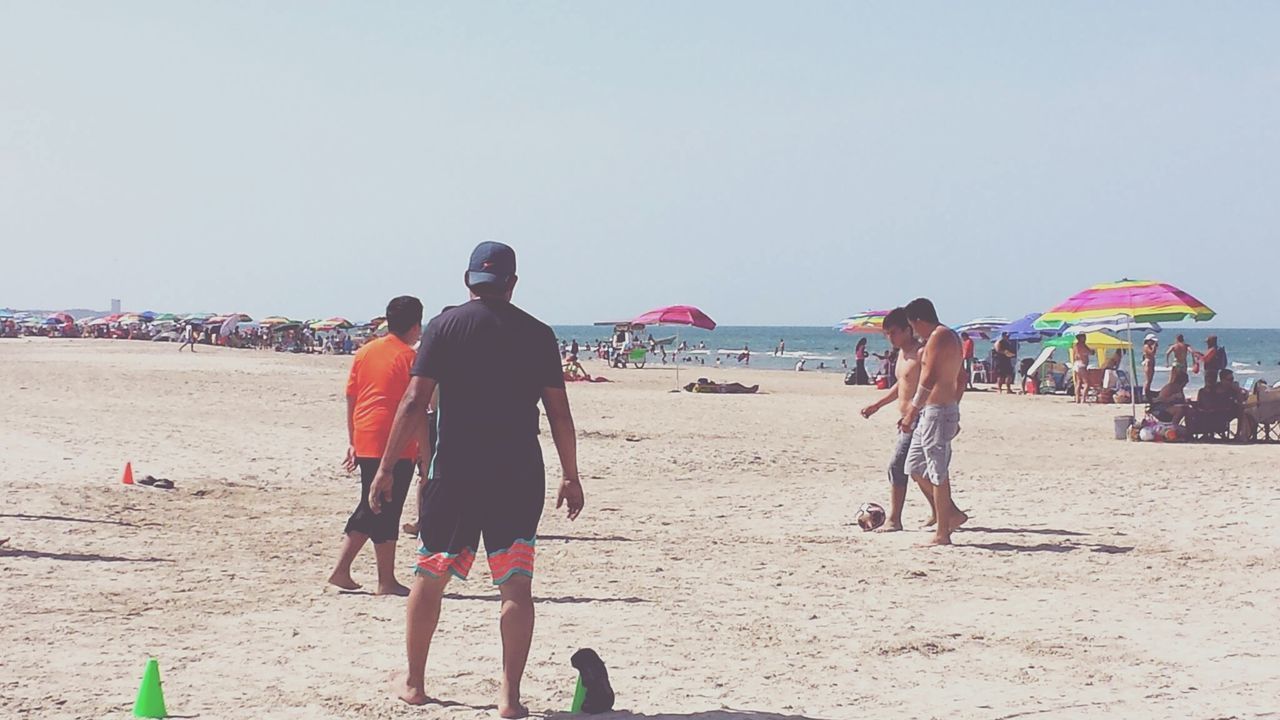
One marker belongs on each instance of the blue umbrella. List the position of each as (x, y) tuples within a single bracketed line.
[(1024, 330)]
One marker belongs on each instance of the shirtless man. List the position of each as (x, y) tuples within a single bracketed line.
[(1178, 350), (933, 415), (898, 332)]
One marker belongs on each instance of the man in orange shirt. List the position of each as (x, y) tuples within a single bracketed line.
[(379, 376)]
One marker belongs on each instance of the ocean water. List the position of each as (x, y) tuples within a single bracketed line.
[(1254, 354)]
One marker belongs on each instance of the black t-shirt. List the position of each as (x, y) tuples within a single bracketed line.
[(491, 361)]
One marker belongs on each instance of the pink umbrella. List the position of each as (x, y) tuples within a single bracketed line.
[(677, 315)]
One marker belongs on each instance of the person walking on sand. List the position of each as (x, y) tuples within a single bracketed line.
[(377, 381), (1080, 354), (899, 334), (188, 338), (966, 344), (933, 415), (488, 478)]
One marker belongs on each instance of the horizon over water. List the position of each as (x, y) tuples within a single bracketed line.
[(1254, 353)]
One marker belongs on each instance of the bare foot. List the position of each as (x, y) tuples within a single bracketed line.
[(394, 589), (963, 519), (409, 693), (935, 542), (343, 581), (512, 711), (410, 528), (933, 520), (890, 526), (509, 704)]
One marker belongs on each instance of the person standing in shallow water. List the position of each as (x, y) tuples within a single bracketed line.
[(378, 378), (488, 478)]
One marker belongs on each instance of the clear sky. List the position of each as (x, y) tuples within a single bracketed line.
[(780, 163)]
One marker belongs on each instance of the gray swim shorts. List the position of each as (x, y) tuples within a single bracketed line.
[(898, 463), (930, 451)]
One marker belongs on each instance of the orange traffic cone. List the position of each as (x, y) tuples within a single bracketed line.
[(128, 474)]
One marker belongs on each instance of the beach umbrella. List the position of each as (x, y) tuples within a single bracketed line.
[(333, 323), (165, 317), (1133, 300), (1024, 330), (1111, 325), (867, 321), (275, 320), (6, 313), (677, 315), (983, 326)]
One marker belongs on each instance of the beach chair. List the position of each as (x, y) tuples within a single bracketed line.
[(980, 374), (1263, 410), (1210, 425)]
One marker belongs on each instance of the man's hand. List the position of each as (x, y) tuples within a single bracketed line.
[(349, 464), (570, 492), (870, 410), (380, 489), (908, 421)]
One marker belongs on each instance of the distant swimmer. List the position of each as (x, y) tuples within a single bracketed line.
[(781, 349), (933, 415)]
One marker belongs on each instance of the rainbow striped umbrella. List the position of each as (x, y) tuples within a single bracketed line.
[(1135, 301), (867, 321)]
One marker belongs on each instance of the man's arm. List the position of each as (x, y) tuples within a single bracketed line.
[(409, 416), (556, 402), (878, 405), (349, 464)]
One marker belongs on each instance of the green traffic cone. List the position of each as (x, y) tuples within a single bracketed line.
[(150, 702), (579, 696)]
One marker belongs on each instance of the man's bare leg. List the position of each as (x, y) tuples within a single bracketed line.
[(943, 504), (421, 615), (517, 636), (926, 488), (341, 575), (385, 554), (898, 498)]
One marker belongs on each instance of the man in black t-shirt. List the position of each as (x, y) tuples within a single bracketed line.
[(492, 363)]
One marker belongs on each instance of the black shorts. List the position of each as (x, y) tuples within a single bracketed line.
[(384, 526), (502, 505)]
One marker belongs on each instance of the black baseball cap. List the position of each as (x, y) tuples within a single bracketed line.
[(491, 263)]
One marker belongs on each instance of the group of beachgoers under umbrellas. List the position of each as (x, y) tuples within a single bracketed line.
[(1099, 312)]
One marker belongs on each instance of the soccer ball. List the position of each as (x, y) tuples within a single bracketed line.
[(870, 517)]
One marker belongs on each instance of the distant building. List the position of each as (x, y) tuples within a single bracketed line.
[(115, 306)]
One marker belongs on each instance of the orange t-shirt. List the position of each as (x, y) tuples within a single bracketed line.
[(379, 377)]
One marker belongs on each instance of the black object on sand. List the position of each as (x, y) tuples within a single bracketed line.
[(595, 679)]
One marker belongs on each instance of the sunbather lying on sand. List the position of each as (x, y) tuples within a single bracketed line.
[(706, 386)]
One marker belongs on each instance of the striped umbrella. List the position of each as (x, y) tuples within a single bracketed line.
[(1135, 301), (983, 326), (867, 321)]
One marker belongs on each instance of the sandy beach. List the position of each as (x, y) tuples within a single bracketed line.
[(716, 569)]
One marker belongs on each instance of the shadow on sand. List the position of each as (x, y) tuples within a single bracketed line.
[(63, 518), (587, 538), (1024, 531), (1050, 547), (727, 714), (6, 552), (566, 599)]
